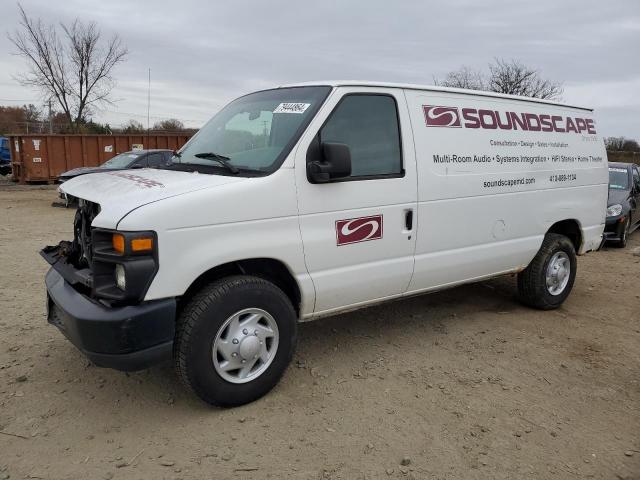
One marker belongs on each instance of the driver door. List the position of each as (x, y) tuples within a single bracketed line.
[(358, 231)]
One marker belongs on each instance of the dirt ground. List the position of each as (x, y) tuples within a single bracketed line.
[(462, 384)]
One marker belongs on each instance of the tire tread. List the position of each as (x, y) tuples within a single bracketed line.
[(192, 313), (531, 281)]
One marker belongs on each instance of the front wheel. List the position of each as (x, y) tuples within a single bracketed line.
[(624, 235), (234, 340), (548, 280)]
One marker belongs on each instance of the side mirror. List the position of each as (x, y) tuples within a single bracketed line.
[(137, 165), (334, 163)]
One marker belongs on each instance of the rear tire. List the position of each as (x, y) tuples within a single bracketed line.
[(547, 281), (240, 321)]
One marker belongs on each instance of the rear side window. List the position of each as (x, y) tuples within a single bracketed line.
[(636, 177), (368, 124)]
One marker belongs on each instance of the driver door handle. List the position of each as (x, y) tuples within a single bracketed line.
[(408, 220)]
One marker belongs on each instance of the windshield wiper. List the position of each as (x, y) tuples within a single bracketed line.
[(221, 159)]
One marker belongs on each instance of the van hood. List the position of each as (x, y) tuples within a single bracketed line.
[(120, 192), (83, 171)]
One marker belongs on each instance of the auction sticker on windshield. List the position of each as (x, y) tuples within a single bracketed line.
[(292, 107)]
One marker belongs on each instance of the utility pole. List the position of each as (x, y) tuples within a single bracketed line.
[(148, 107), (50, 118)]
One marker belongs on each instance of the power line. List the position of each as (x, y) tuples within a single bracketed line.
[(18, 100), (144, 115), (100, 112)]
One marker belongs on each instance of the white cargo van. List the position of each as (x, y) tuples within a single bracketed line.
[(308, 200)]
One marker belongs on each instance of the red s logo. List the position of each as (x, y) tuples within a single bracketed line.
[(436, 116), (361, 229)]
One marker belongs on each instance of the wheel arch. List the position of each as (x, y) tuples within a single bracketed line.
[(571, 229), (270, 269)]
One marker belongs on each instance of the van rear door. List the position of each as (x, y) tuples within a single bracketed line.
[(358, 231)]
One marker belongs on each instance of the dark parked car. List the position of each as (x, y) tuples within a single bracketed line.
[(623, 210), (123, 161), (5, 156)]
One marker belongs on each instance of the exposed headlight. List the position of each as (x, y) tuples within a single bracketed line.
[(614, 210), (123, 264), (121, 278)]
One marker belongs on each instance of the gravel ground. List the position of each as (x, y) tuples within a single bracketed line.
[(461, 384)]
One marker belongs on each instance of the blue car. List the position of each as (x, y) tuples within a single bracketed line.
[(5, 156)]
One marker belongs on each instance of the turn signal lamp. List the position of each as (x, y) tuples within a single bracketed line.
[(118, 243), (142, 244), (136, 245)]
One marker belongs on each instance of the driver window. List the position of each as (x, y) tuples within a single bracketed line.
[(368, 125)]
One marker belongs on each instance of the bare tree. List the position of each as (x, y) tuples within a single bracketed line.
[(25, 119), (510, 77), (614, 144), (169, 125), (514, 78), (72, 67), (133, 126), (465, 77), (631, 146), (32, 114), (621, 144)]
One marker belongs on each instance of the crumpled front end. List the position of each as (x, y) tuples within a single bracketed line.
[(87, 301)]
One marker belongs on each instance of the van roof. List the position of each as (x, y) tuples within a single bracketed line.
[(432, 88)]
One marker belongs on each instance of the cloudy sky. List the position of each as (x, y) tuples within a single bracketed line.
[(204, 53)]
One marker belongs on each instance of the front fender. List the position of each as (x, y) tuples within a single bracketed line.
[(186, 254)]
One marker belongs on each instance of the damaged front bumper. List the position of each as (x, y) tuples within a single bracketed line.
[(614, 228), (130, 337)]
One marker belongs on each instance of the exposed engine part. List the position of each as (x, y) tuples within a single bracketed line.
[(80, 251)]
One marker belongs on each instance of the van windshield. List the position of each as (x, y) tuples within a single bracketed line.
[(618, 178), (255, 132)]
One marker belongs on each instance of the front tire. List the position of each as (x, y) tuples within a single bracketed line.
[(547, 281), (624, 235), (234, 340)]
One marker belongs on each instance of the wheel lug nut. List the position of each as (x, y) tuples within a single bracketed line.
[(234, 354), (255, 332), (244, 361), (245, 331), (235, 341)]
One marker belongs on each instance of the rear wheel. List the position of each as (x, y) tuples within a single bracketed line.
[(234, 340), (548, 280)]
